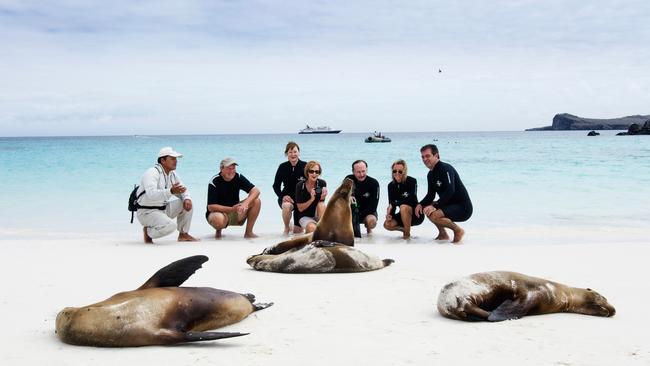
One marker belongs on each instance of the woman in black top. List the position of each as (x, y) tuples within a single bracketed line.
[(402, 194), (284, 185), (310, 198)]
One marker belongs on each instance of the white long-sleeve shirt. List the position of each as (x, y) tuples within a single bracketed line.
[(157, 187)]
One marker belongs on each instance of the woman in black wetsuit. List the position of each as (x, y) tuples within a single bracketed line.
[(310, 197), (402, 194), (284, 185)]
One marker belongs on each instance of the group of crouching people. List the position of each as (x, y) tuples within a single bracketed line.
[(301, 196)]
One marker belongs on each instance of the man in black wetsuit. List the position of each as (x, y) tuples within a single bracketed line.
[(453, 204), (366, 194)]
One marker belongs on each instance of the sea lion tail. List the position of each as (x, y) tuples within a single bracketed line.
[(261, 305), (209, 336), (250, 297), (388, 262)]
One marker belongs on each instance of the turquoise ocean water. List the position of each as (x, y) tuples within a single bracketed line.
[(542, 181)]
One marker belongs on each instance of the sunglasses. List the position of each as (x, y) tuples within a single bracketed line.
[(313, 171), (398, 171)]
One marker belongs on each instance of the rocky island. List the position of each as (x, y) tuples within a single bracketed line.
[(569, 122)]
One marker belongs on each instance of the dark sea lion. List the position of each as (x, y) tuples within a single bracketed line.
[(334, 226), (159, 312), (320, 256), (497, 296)]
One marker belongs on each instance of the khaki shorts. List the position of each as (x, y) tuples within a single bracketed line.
[(233, 219)]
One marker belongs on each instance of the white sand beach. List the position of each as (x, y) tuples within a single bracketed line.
[(385, 317)]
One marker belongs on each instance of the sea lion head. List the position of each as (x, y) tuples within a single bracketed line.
[(64, 321), (344, 191), (336, 223), (596, 304)]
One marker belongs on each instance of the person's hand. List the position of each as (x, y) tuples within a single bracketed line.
[(187, 205), (287, 199), (429, 210), (389, 209), (313, 193), (323, 193), (418, 210), (240, 208), (177, 188)]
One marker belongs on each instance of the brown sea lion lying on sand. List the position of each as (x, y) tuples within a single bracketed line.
[(159, 312), (497, 296), (321, 256)]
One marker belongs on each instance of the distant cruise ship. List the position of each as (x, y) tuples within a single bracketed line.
[(319, 129)]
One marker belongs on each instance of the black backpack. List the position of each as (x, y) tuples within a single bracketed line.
[(133, 200), (134, 205)]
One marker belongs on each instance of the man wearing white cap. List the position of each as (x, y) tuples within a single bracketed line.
[(163, 197), (224, 207)]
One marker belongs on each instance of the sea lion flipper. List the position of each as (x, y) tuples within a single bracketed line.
[(285, 246), (175, 273), (209, 336), (261, 305), (510, 309)]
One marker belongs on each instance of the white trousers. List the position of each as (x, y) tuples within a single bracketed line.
[(160, 223)]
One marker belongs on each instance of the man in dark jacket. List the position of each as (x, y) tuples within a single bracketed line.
[(366, 194), (453, 204)]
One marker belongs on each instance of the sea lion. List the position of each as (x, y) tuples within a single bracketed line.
[(157, 313), (320, 256), (497, 296), (334, 226), (329, 249)]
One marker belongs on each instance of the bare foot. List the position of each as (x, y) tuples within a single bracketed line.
[(286, 230), (250, 235), (458, 236), (147, 238), (442, 236), (217, 234), (186, 237), (406, 236)]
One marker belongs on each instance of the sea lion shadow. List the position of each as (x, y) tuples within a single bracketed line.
[(205, 345)]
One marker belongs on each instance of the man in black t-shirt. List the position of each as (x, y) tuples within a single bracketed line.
[(366, 194), (453, 204), (224, 207)]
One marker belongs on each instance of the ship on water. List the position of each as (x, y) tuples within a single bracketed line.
[(308, 130)]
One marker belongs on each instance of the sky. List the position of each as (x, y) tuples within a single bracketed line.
[(219, 67)]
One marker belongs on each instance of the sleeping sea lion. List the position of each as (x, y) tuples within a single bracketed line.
[(334, 226), (497, 296), (320, 256), (159, 312)]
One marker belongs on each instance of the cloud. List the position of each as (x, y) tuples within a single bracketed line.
[(273, 65)]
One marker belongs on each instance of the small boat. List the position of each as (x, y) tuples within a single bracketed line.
[(316, 130), (377, 137)]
